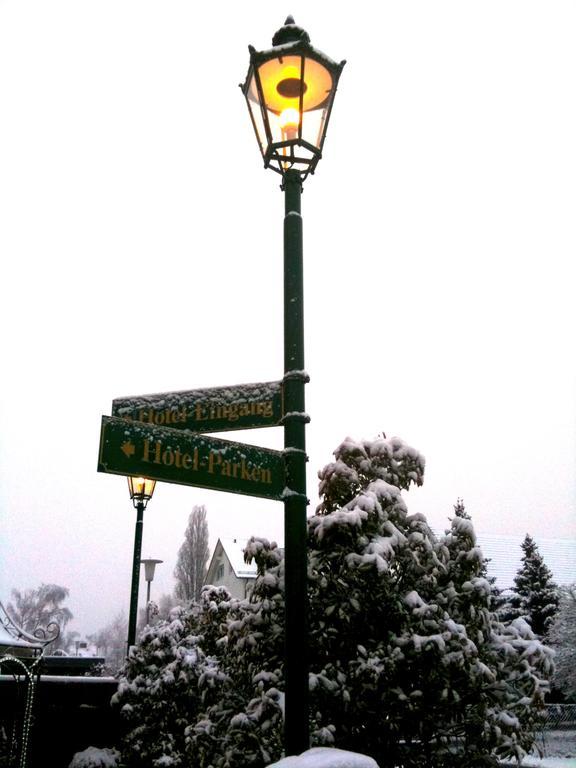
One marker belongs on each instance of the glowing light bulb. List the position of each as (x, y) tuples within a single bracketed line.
[(289, 121)]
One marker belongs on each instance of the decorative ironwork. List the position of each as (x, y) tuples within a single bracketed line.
[(20, 658), (41, 636)]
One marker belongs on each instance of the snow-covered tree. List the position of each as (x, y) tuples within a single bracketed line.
[(408, 662), (535, 596), (562, 637), (171, 676), (35, 610), (405, 622), (190, 570), (243, 726)]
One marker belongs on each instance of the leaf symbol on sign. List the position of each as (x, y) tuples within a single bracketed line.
[(128, 448)]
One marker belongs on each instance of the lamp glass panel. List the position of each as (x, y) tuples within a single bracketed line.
[(256, 113), (313, 126), (149, 486)]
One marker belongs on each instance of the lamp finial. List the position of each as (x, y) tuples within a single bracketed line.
[(290, 33)]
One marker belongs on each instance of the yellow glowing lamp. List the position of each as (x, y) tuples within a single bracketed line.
[(141, 489), (290, 90)]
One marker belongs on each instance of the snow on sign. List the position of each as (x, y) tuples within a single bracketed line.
[(220, 409), (188, 458)]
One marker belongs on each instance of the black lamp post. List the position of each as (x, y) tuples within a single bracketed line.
[(290, 90), (141, 490)]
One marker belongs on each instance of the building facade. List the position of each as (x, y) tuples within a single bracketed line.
[(228, 569)]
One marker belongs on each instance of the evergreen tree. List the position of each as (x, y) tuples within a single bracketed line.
[(190, 570), (535, 595), (460, 511)]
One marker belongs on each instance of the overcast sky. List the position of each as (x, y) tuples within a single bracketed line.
[(141, 252)]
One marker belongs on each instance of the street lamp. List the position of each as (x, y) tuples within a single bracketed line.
[(290, 91), (149, 564), (141, 490)]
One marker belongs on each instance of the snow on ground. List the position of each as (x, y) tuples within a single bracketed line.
[(548, 762), (558, 749), (95, 758), (326, 757)]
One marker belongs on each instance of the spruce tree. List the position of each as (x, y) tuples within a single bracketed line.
[(536, 596)]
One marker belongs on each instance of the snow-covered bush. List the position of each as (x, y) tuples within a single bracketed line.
[(171, 676), (408, 661)]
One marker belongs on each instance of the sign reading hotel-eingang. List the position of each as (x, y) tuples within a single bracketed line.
[(176, 456), (220, 409)]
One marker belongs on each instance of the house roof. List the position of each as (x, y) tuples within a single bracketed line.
[(234, 551)]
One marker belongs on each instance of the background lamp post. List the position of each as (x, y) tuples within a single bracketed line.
[(290, 90), (149, 564), (141, 490)]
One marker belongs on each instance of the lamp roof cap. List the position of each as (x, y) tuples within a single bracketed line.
[(290, 33)]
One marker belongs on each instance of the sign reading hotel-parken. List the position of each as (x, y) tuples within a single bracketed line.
[(220, 409), (188, 458)]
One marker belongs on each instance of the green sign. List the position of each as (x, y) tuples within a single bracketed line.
[(173, 456), (220, 409)]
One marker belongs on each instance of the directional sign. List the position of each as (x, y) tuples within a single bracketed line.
[(220, 409), (174, 456)]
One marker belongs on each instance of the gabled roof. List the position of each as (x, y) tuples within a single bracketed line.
[(234, 551)]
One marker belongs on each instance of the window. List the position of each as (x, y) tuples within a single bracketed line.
[(220, 571)]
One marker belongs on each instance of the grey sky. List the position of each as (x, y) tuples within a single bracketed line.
[(141, 245)]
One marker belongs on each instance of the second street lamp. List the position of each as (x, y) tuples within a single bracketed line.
[(290, 91), (149, 564), (141, 490)]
